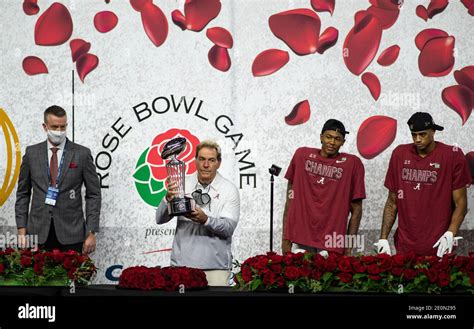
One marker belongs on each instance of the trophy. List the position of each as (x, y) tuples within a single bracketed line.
[(180, 204)]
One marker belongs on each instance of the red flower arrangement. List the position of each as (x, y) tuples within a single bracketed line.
[(310, 272), (166, 278), (38, 268)]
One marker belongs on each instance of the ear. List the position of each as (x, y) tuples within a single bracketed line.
[(321, 138), (45, 128)]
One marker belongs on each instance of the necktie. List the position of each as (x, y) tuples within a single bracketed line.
[(53, 166)]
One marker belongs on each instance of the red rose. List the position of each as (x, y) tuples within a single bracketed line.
[(276, 268), (319, 261), (261, 264), (292, 273), (25, 261), (331, 264), (459, 261), (471, 277), (345, 277), (398, 260), (345, 265), (158, 165), (276, 259), (409, 274), (432, 275), (38, 268), (358, 267), (246, 274), (67, 264), (397, 271), (373, 269), (316, 275), (443, 279), (269, 278), (375, 277), (280, 282), (2, 268), (305, 272), (368, 259)]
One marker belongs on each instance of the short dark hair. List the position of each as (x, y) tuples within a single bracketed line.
[(55, 110)]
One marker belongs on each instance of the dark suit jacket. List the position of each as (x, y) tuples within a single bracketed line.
[(78, 169)]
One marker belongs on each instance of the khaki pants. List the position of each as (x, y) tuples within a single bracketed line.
[(218, 277)]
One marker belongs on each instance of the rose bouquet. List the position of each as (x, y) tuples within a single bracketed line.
[(308, 272), (165, 278), (39, 268)]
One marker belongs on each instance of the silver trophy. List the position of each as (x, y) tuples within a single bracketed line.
[(180, 204)]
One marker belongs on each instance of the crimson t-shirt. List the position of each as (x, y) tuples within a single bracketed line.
[(424, 189), (323, 189)]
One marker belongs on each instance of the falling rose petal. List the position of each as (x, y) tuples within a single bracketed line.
[(375, 134), (372, 82), (323, 5), (426, 35), (139, 4), (78, 48), (386, 17), (327, 39), (220, 36), (299, 115), (470, 162), (30, 7), (422, 12), (389, 56), (459, 99), (54, 26), (269, 61), (154, 23), (33, 65), (199, 13), (85, 64), (178, 19), (298, 28), (465, 77), (362, 43), (436, 7), (387, 4), (105, 21), (219, 58), (437, 57)]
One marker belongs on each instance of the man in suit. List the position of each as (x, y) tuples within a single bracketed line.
[(55, 170)]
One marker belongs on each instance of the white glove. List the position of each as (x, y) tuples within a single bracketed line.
[(383, 247), (324, 253), (445, 243)]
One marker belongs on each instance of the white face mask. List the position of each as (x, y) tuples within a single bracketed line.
[(56, 137)]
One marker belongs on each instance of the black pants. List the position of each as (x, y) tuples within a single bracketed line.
[(53, 243)]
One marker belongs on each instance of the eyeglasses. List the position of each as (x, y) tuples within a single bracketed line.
[(201, 199)]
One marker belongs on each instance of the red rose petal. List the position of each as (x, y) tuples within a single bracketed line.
[(30, 7), (387, 4), (422, 12), (426, 35), (220, 37), (386, 17), (437, 57), (465, 77), (323, 5), (436, 7), (54, 26), (459, 99), (471, 10), (467, 3), (219, 58), (372, 82), (78, 48), (179, 19), (199, 13), (362, 43), (105, 21), (298, 28), (375, 135), (154, 23), (269, 61), (86, 64), (33, 65), (327, 39), (299, 115), (389, 56), (139, 4)]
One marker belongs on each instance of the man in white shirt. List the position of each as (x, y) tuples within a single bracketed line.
[(203, 238)]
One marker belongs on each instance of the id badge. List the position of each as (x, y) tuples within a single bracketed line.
[(51, 196)]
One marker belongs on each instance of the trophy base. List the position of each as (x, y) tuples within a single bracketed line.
[(180, 206)]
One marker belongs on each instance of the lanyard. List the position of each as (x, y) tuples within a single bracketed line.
[(59, 168)]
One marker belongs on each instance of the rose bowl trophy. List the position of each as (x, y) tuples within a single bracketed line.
[(180, 204)]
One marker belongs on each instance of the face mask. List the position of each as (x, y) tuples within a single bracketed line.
[(56, 137)]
